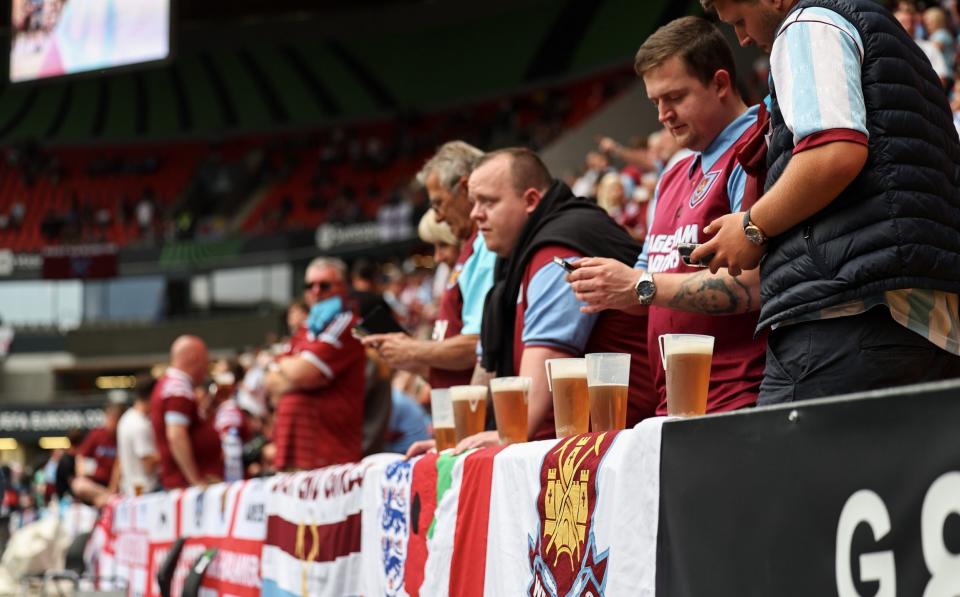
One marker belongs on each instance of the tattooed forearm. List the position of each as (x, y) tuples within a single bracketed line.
[(712, 295)]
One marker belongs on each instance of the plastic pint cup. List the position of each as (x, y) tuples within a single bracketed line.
[(441, 410), (686, 360), (608, 384), (510, 407), (571, 404), (469, 410)]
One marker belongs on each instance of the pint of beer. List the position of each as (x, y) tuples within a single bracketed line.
[(441, 410), (510, 408), (608, 382), (571, 405), (469, 410), (686, 360)]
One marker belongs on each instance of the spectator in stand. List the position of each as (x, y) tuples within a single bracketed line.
[(364, 287), (95, 479), (615, 195), (67, 467), (906, 14), (318, 384), (690, 60), (297, 313), (639, 157), (531, 315), (409, 423), (189, 447), (229, 420), (935, 22), (137, 454), (18, 211), (597, 164), (145, 212), (856, 232), (446, 251), (450, 355)]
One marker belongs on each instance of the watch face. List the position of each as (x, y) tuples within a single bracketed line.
[(645, 289), (754, 235)]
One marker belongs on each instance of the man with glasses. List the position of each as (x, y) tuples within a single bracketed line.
[(318, 384), (450, 355)]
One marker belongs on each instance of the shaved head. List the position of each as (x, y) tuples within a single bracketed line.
[(189, 354)]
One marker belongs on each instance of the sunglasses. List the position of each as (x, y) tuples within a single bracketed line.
[(321, 286)]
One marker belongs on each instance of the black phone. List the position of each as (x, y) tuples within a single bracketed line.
[(685, 249), (564, 264), (379, 320)]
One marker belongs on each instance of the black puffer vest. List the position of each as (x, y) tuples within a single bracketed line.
[(897, 225)]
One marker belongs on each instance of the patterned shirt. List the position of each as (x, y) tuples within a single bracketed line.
[(816, 61)]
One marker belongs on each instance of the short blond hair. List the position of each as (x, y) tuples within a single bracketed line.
[(434, 232)]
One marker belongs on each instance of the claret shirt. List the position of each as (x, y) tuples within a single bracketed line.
[(548, 314), (173, 402), (694, 192)]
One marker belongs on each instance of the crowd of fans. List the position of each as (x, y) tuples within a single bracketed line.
[(341, 175), (295, 403), (229, 413)]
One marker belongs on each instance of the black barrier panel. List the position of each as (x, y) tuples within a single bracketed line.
[(854, 497)]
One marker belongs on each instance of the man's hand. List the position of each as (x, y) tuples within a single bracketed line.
[(484, 439), (604, 284), (420, 447), (730, 247), (398, 350)]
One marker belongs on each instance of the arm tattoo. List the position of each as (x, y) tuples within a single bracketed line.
[(712, 295)]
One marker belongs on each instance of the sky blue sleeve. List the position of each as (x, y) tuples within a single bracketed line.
[(553, 316), (816, 67), (736, 185), (475, 280)]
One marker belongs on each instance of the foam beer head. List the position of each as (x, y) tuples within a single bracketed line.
[(672, 344), (510, 384), (565, 369), (472, 394)]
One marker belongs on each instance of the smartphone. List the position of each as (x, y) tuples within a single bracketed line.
[(564, 264), (685, 249), (359, 333)]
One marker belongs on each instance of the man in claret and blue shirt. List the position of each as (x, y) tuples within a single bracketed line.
[(689, 74), (857, 227)]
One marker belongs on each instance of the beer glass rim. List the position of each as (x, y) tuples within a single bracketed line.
[(441, 405), (608, 365), (702, 337), (696, 338), (548, 365), (561, 359)]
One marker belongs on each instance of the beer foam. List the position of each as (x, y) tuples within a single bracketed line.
[(509, 384), (688, 347), (567, 368), (468, 393)]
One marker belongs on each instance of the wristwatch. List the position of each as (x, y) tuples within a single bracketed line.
[(752, 232), (646, 288)]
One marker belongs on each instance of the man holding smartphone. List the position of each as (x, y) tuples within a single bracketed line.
[(449, 357), (530, 315), (690, 76)]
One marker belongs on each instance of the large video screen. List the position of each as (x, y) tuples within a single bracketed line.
[(63, 37)]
